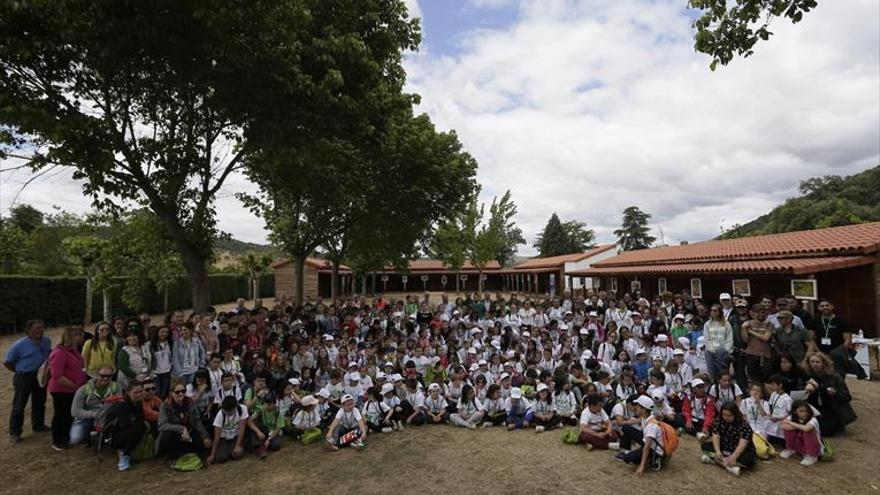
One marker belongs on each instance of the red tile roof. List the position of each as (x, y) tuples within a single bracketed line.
[(849, 240), (792, 266), (317, 263), (432, 265), (559, 261)]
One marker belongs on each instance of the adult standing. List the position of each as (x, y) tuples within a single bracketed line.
[(66, 376), (757, 334), (833, 336), (188, 355), (718, 341), (25, 358), (790, 339)]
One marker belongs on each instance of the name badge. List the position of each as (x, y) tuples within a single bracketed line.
[(826, 341)]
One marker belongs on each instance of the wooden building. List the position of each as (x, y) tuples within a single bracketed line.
[(838, 263), (317, 274)]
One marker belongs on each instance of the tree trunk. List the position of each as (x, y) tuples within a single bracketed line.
[(299, 263), (197, 273), (480, 281), (87, 319), (108, 310), (456, 282), (334, 282), (364, 285), (256, 288), (165, 301)]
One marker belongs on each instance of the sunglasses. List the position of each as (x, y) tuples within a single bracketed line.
[(175, 392), (149, 389), (105, 376)]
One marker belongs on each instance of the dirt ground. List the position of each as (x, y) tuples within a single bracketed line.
[(439, 460)]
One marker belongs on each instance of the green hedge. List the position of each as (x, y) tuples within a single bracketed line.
[(60, 300)]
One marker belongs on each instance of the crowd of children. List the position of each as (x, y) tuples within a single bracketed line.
[(629, 374)]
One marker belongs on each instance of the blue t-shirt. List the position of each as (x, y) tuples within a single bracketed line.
[(26, 356)]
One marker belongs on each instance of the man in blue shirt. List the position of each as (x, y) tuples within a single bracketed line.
[(24, 358)]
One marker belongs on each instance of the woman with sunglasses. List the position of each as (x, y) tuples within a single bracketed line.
[(89, 400), (180, 428)]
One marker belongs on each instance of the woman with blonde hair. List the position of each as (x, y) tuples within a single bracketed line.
[(100, 351), (66, 376), (827, 392)]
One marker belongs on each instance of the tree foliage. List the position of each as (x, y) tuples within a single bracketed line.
[(726, 29), (25, 217), (828, 201), (634, 232), (560, 238), (501, 213)]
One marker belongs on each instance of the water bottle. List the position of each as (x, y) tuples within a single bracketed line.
[(861, 334)]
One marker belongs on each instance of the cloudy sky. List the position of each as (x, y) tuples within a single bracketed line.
[(586, 107)]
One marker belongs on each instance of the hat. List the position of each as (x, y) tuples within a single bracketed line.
[(563, 326), (645, 402), (381, 376), (515, 393), (434, 386), (741, 303), (474, 367), (679, 316), (636, 313), (569, 312), (346, 398), (526, 334), (504, 375), (324, 393), (542, 386), (593, 313), (353, 364), (662, 338), (397, 377), (784, 314), (354, 377), (688, 318), (588, 354), (496, 344), (387, 388), (456, 312), (696, 382), (328, 337), (723, 296), (584, 331), (656, 357), (309, 400), (472, 350), (678, 352), (658, 395), (684, 341), (511, 353), (641, 351), (482, 362), (294, 381), (387, 364), (476, 330)]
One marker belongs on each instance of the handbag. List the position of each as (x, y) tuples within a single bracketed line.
[(43, 374)]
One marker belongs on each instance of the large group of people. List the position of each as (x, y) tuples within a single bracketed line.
[(625, 373)]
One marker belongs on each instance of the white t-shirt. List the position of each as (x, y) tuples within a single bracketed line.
[(375, 411), (652, 429), (780, 410), (565, 403), (594, 421), (620, 409), (305, 420), (722, 395), (229, 424), (348, 419), (758, 417), (435, 406)]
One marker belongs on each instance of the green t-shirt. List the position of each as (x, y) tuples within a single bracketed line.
[(272, 420)]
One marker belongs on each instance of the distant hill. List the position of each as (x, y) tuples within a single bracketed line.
[(828, 201), (236, 247)]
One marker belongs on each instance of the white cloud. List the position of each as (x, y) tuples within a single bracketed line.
[(584, 108)]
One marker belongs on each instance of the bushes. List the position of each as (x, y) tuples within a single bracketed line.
[(61, 300)]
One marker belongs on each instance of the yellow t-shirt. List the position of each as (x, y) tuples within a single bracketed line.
[(101, 357)]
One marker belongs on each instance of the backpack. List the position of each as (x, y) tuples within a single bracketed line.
[(106, 418), (570, 437), (670, 437), (187, 462)]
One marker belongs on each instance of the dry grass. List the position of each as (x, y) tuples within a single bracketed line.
[(442, 459)]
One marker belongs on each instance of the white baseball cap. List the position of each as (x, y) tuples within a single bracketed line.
[(346, 398), (387, 388), (679, 316), (588, 354), (472, 350), (641, 350), (381, 375), (678, 352), (658, 395), (474, 367), (504, 375), (593, 313), (542, 386), (662, 337), (328, 337), (645, 402), (684, 341), (696, 382), (324, 393), (584, 331), (723, 296), (294, 381), (397, 377), (434, 386), (515, 393), (526, 334), (309, 400)]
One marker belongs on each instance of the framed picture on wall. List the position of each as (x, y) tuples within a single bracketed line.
[(696, 288), (805, 289), (741, 287), (661, 285), (613, 284), (635, 287)]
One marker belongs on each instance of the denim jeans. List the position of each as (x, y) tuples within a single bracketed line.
[(79, 432), (716, 362)]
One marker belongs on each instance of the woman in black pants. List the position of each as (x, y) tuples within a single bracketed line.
[(180, 427), (731, 444), (128, 426)]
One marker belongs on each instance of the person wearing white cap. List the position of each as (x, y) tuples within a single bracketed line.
[(726, 304), (698, 410), (679, 328), (347, 428), (642, 365), (469, 411), (306, 420), (684, 369), (377, 414), (651, 454), (545, 415), (595, 426), (390, 399), (354, 388), (435, 406), (695, 357), (661, 348), (519, 410)]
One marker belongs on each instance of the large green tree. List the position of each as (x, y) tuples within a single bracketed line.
[(729, 28), (560, 238), (501, 213), (634, 232), (26, 217)]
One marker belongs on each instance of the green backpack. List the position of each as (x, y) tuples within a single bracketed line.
[(145, 449), (187, 462), (311, 436), (570, 437), (827, 453)]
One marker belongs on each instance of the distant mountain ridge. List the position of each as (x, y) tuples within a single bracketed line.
[(828, 201), (236, 247)]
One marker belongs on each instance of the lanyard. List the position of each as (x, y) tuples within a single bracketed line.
[(827, 325)]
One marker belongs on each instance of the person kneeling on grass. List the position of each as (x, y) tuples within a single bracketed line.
[(519, 410), (802, 436), (230, 425), (347, 428), (731, 444), (595, 426), (266, 427), (180, 427), (652, 452), (128, 426)]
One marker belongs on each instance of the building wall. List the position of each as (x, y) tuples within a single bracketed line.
[(284, 283), (578, 282)]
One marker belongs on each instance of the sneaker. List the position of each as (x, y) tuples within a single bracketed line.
[(124, 463), (487, 424), (58, 447), (589, 446), (701, 436), (358, 445), (614, 446), (332, 446), (539, 429), (786, 454), (734, 470), (809, 461), (620, 456), (472, 426), (706, 459), (387, 429)]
